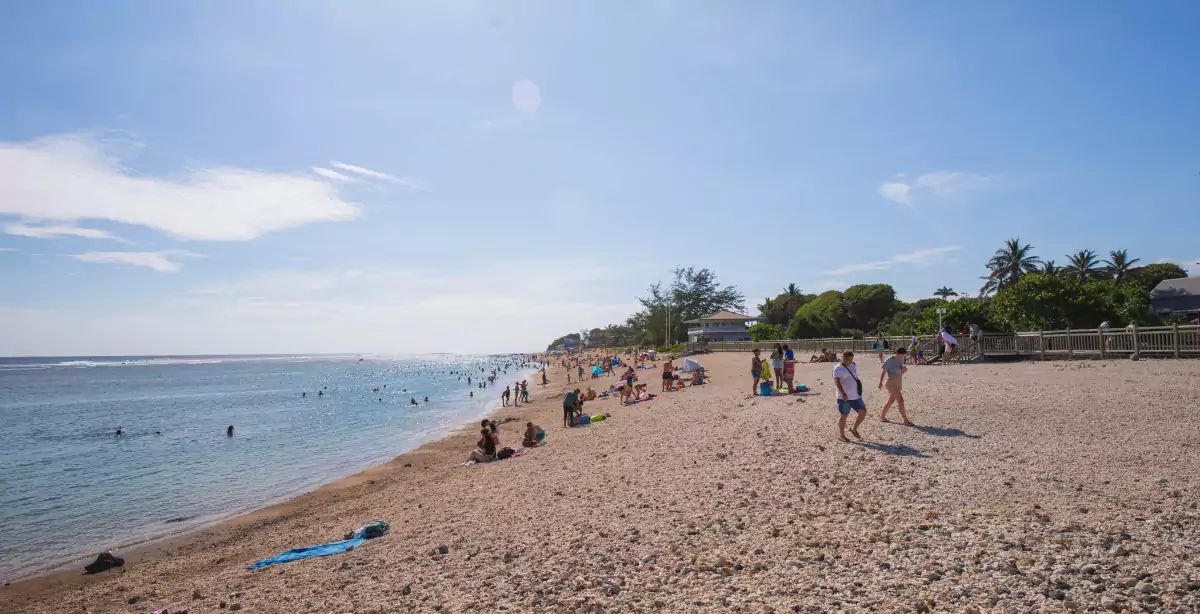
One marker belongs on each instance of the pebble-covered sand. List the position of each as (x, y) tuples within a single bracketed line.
[(1027, 487)]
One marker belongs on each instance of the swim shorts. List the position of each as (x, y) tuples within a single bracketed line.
[(845, 406)]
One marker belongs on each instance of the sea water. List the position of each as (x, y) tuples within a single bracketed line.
[(70, 487)]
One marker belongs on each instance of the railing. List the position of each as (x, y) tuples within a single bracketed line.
[(1161, 341)]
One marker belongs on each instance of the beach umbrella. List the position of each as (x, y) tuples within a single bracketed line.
[(597, 371), (690, 365)]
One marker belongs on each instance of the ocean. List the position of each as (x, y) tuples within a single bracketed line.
[(71, 488)]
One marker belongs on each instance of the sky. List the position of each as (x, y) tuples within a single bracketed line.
[(384, 177)]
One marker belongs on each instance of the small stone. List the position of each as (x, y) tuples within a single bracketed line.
[(407, 590), (1146, 587), (235, 607), (1057, 594), (222, 605), (443, 549), (197, 595), (132, 600)]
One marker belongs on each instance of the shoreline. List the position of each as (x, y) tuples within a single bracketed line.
[(1024, 487), (141, 550)]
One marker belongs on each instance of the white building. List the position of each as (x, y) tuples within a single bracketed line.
[(720, 326)]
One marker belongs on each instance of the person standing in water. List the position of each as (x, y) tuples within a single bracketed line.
[(504, 396), (893, 369)]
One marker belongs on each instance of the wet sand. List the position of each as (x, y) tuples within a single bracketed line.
[(1027, 487)]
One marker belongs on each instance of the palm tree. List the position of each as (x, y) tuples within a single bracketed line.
[(1008, 265), (1083, 264), (1119, 264), (1049, 268), (791, 290), (944, 293), (765, 308)]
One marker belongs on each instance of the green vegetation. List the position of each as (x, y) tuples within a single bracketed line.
[(1020, 292)]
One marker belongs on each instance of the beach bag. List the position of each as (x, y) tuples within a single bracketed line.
[(856, 380), (104, 562), (505, 453), (886, 345)]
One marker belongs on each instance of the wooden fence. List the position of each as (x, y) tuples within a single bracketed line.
[(1152, 341)]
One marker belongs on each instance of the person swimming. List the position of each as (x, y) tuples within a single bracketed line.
[(120, 431), (229, 431)]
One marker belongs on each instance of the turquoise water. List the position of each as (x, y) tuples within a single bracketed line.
[(70, 488)]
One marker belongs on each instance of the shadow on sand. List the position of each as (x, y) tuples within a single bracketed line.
[(894, 449), (941, 431)]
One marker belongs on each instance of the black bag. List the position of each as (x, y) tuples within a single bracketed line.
[(856, 380), (104, 562), (505, 453), (886, 345)]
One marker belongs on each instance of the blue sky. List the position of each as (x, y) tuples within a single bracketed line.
[(402, 177)]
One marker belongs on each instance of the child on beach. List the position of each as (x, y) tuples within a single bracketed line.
[(533, 435), (755, 371)]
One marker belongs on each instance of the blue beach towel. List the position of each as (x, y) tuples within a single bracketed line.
[(371, 530), (296, 554)]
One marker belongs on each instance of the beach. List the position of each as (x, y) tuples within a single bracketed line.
[(1054, 486)]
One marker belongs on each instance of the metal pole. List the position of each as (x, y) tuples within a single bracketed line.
[(1042, 343), (1070, 346), (1100, 333), (1137, 344), (1175, 331)]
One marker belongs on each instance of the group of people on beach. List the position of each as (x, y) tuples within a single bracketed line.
[(768, 381)]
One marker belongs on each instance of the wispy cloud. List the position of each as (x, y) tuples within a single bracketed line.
[(936, 185), (920, 257), (67, 178), (165, 261), (8, 249), (54, 231), (331, 174), (408, 182)]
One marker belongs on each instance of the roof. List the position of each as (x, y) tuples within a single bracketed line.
[(722, 316), (1176, 295), (1184, 286)]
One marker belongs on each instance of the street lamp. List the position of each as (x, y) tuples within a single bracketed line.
[(941, 311)]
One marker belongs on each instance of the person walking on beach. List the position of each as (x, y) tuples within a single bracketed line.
[(504, 396), (525, 390), (893, 369), (755, 372), (668, 376), (849, 395), (877, 347)]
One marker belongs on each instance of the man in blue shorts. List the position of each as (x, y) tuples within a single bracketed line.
[(849, 395)]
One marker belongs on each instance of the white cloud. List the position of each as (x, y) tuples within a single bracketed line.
[(408, 182), (897, 192), (54, 231), (937, 185), (8, 249), (333, 175), (163, 261), (77, 177), (526, 96), (921, 257), (832, 284)]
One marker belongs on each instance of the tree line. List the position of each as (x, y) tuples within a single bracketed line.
[(1020, 292)]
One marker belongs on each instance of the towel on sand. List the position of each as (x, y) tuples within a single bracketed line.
[(296, 554), (375, 528)]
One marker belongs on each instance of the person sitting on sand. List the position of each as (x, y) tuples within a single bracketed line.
[(485, 448), (822, 357), (590, 395), (893, 369), (533, 435)]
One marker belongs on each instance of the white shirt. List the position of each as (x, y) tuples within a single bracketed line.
[(948, 338), (846, 377)]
